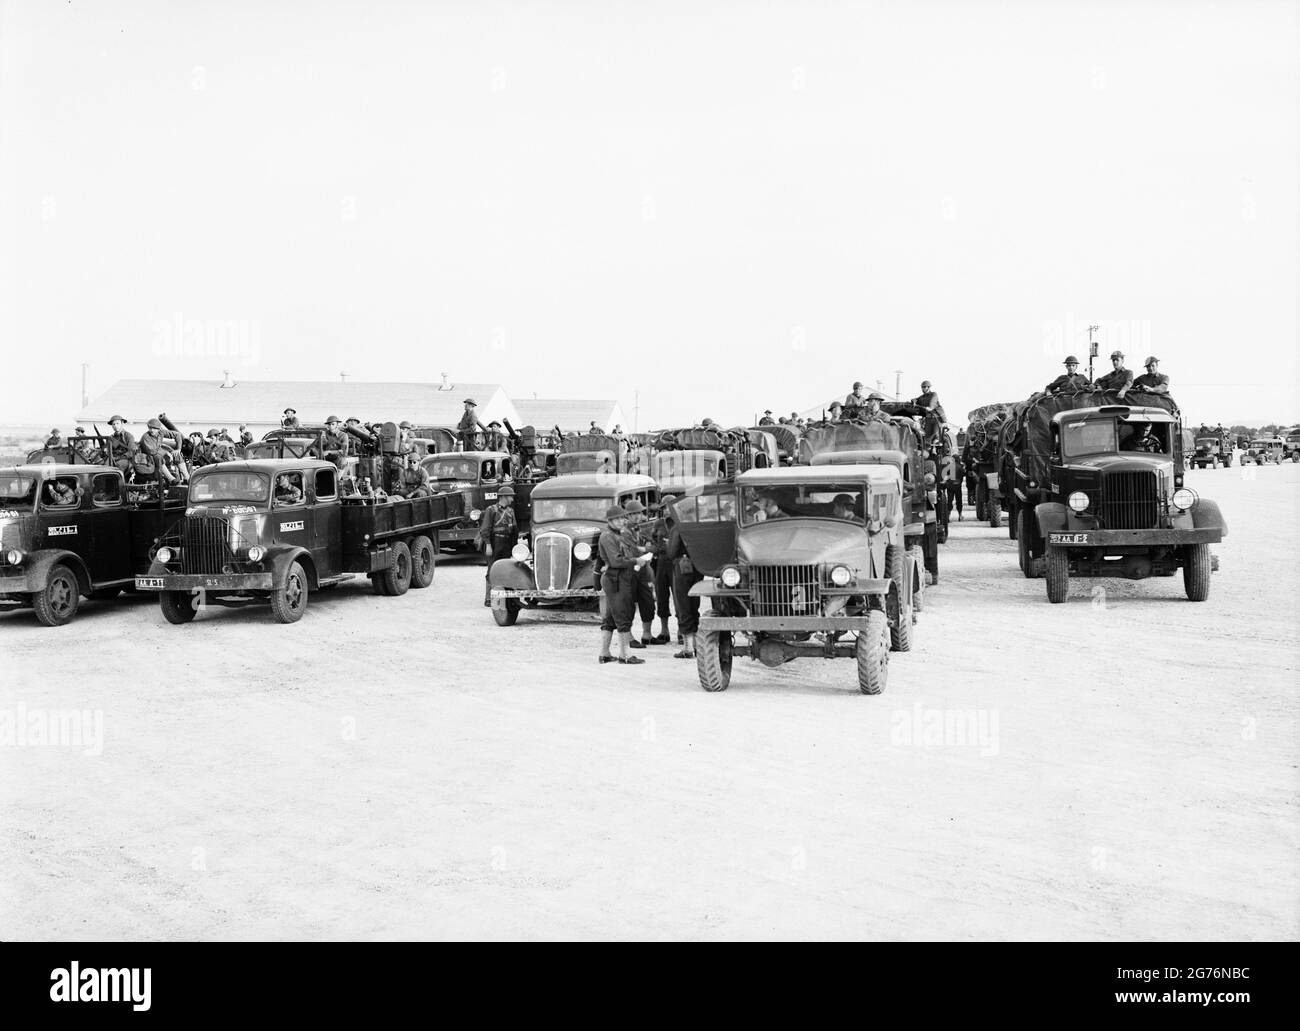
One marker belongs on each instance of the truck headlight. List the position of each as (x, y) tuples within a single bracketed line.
[(13, 556), (1184, 498), (841, 575), (730, 576), (1078, 501), (520, 552), (255, 553), (474, 515), (164, 555), (582, 551)]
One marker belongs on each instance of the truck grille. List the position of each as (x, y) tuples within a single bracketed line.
[(785, 590), (552, 561), (205, 545), (1129, 501)]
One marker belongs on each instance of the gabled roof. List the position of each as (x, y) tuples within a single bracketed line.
[(568, 415)]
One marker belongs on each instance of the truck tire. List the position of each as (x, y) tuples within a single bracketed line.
[(397, 577), (873, 654), (1032, 567), (916, 560), (1196, 572), (56, 603), (507, 614), (995, 511), (1058, 574), (289, 602), (898, 568), (713, 659), (423, 562), (176, 606), (1227, 461), (981, 501)]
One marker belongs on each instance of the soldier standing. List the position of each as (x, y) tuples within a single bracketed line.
[(1071, 381), (81, 449), (121, 445), (1153, 381), (334, 443), (469, 425), (496, 438), (767, 419), (638, 542), (929, 400), (856, 398), (685, 576), (497, 535), (245, 438), (619, 570), (290, 420), (663, 567), (1119, 379)]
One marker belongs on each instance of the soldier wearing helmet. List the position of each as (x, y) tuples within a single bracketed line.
[(660, 532), (873, 412), (1153, 381), (335, 443), (620, 566), (469, 425), (638, 533), (413, 478), (929, 400), (290, 420), (1069, 382), (1119, 379), (497, 534)]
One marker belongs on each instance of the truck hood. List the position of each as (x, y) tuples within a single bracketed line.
[(1134, 461), (578, 529), (802, 542)]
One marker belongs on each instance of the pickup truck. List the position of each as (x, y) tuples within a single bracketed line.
[(275, 530), (69, 531)]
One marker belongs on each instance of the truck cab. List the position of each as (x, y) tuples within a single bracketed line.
[(1117, 505), (73, 531), (820, 569), (478, 475), (554, 560)]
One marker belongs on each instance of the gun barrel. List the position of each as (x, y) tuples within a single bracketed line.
[(360, 434), (162, 418)]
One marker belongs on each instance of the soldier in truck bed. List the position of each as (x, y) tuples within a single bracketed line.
[(334, 443), (1072, 381), (1153, 381), (414, 479), (469, 425), (1119, 379), (121, 445), (929, 400)]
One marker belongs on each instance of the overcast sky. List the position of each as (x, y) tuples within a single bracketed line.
[(721, 206)]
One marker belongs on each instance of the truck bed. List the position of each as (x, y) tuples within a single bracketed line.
[(364, 522)]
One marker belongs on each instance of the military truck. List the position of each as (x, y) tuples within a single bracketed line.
[(984, 463), (477, 476), (819, 568), (1101, 495), (274, 530), (54, 552), (553, 561), (1262, 450), (693, 457), (1291, 445), (1212, 450)]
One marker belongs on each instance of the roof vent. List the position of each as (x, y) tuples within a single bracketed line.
[(228, 382)]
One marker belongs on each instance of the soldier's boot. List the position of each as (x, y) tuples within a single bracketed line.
[(487, 593), (688, 648), (624, 645), (606, 638)]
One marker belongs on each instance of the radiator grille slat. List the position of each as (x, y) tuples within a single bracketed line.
[(1130, 500), (205, 545), (785, 590), (552, 561)]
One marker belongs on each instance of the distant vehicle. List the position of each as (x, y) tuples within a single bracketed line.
[(478, 476), (1263, 450), (819, 569), (1292, 446), (52, 554), (242, 540), (1212, 451), (553, 561), (691, 457)]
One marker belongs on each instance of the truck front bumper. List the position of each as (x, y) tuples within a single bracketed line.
[(217, 582), (776, 624), (502, 593), (1135, 538)]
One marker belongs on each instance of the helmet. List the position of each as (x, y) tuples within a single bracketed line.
[(614, 512), (352, 418), (1117, 354), (857, 384), (835, 404), (767, 411), (404, 425), (1151, 360), (154, 424), (116, 418), (331, 419), (668, 499), (1070, 360), (634, 507), (506, 492), (875, 395), (471, 401), (291, 411), (81, 429), (214, 432), (493, 423), (925, 384)]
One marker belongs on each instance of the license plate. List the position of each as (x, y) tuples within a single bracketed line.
[(1067, 538), (146, 582), (490, 496)]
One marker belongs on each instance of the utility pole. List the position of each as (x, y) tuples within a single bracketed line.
[(343, 377), (1092, 349)]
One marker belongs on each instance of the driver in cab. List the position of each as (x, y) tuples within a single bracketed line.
[(1144, 440), (287, 491)]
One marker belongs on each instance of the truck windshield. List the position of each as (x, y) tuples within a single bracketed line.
[(547, 509), (454, 469), (230, 486), (17, 490), (842, 501), (1088, 438)]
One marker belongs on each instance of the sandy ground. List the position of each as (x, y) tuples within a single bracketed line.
[(405, 768)]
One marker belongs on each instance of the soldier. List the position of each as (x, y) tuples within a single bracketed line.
[(1153, 381), (842, 507), (121, 445), (219, 450), (287, 492), (55, 439), (663, 567), (953, 472), (637, 534), (1119, 379), (929, 400), (873, 412), (290, 419), (837, 411), (930, 541), (856, 399), (767, 419), (405, 437), (685, 576), (469, 425), (335, 443), (620, 568), (82, 450), (497, 534), (1144, 440), (496, 438), (414, 479), (151, 455), (245, 438), (1072, 381), (61, 492)]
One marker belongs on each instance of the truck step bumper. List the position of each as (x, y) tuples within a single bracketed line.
[(502, 593), (1140, 538), (772, 624), (218, 582)]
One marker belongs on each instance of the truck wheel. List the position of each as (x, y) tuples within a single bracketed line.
[(397, 577), (176, 606), (898, 568), (1227, 461), (1058, 575), (713, 659), (507, 614), (56, 603), (873, 654), (423, 562), (916, 561), (290, 601), (1030, 566), (1196, 572), (981, 501), (995, 512)]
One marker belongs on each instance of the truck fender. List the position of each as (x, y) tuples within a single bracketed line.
[(1205, 513), (280, 562), (1051, 516), (511, 575), (41, 562)]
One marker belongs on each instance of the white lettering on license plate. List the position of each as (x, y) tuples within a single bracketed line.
[(491, 496), (1067, 538), (62, 531), (295, 525), (148, 581)]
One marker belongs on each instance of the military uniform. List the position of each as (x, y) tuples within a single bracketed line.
[(496, 537), (121, 447), (636, 539), (1068, 383), (287, 493), (151, 455), (1118, 379), (59, 493), (334, 444), (617, 581), (685, 576), (1152, 383), (468, 426), (414, 482), (930, 400)]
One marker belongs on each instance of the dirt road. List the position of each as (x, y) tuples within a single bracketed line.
[(1121, 766)]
